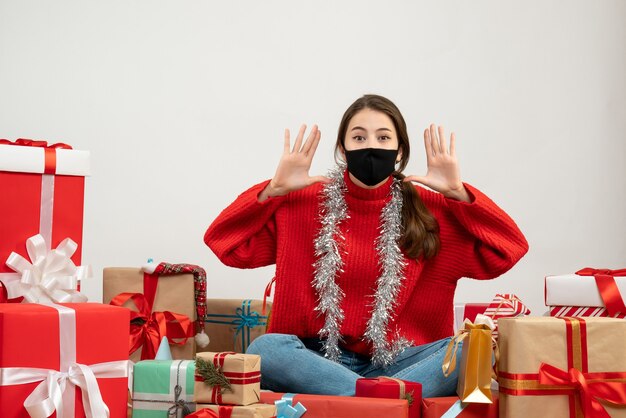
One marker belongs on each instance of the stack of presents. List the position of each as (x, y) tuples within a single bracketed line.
[(157, 347)]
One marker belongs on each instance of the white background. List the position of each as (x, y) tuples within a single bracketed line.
[(183, 104)]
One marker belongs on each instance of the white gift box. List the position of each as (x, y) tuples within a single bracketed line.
[(576, 290)]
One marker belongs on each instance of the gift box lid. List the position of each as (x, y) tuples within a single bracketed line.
[(32, 159)]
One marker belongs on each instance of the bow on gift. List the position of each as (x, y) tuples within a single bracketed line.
[(286, 409), (588, 390), (48, 395), (50, 277), (609, 292), (56, 390), (147, 328), (180, 405)]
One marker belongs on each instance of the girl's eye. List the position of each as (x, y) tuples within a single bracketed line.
[(359, 138), (384, 138)]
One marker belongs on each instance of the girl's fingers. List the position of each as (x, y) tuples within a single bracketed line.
[(433, 139), (309, 141), (452, 145), (298, 144), (286, 147), (442, 141), (427, 145), (314, 145)]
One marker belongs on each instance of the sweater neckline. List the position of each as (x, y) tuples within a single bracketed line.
[(358, 192)]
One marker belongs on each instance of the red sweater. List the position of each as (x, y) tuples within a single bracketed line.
[(478, 240)]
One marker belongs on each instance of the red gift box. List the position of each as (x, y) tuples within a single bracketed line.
[(39, 342), (437, 407), (463, 311), (43, 188), (385, 387), (323, 406)]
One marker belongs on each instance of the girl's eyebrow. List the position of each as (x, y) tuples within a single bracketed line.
[(379, 129)]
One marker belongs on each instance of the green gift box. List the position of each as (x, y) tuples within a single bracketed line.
[(163, 388)]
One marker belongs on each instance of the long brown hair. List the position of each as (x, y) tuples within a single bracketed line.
[(420, 230)]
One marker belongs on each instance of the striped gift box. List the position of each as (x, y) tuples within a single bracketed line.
[(578, 311), (505, 305)]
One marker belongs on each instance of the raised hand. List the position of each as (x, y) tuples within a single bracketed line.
[(294, 165), (443, 174)]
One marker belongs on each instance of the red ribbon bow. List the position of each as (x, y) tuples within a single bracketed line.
[(50, 156), (609, 292), (34, 143), (588, 390), (152, 326)]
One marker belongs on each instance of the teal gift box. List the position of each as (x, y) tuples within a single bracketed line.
[(163, 388)]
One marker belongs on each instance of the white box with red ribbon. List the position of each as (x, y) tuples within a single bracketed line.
[(588, 292), (43, 194)]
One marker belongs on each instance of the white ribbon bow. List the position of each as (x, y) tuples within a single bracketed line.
[(482, 320), (48, 395), (50, 276)]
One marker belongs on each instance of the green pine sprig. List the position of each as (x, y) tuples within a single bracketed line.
[(212, 375), (409, 397)]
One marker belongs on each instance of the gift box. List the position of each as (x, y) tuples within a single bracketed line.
[(589, 287), (502, 306), (463, 311), (72, 358), (167, 305), (43, 187), (391, 388), (258, 410), (451, 406), (163, 388), (562, 367), (322, 406), (232, 324), (227, 378)]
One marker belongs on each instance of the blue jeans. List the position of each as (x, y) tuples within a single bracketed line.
[(288, 365)]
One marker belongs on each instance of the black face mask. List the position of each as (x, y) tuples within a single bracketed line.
[(371, 165)]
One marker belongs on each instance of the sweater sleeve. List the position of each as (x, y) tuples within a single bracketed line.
[(244, 234), (495, 242)]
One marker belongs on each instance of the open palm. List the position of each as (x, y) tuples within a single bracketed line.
[(443, 174), (294, 165)]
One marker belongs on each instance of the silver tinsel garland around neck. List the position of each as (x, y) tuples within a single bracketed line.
[(329, 246)]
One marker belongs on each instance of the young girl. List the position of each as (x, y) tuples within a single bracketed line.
[(366, 262)]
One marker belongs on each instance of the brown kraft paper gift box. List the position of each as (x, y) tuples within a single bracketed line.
[(232, 324), (175, 293), (586, 350), (243, 372)]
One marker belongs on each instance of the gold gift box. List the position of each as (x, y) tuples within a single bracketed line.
[(589, 345), (175, 293), (233, 323), (258, 410), (243, 371)]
